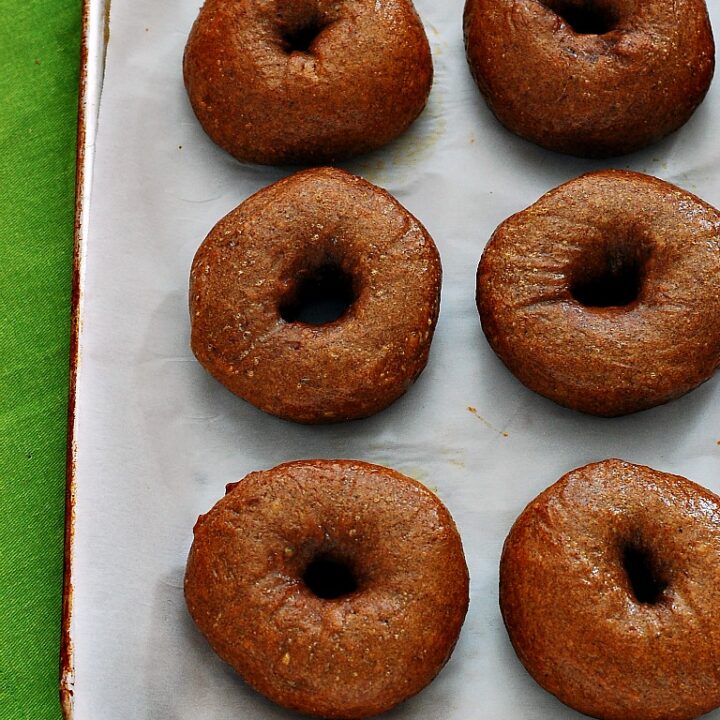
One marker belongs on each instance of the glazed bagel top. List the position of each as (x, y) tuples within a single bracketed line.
[(252, 266), (306, 81), (610, 590), (362, 644), (605, 294), (591, 77)]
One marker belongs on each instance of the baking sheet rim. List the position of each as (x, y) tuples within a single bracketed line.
[(93, 45)]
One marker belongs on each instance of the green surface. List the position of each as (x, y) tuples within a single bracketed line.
[(39, 59)]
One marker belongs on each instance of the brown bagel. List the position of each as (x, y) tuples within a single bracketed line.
[(306, 81), (317, 232), (593, 78), (605, 294), (610, 592), (334, 587)]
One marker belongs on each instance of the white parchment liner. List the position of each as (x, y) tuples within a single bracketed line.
[(158, 439)]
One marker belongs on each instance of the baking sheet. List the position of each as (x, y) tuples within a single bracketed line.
[(157, 439)]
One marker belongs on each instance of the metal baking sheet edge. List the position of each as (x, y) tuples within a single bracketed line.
[(93, 46)]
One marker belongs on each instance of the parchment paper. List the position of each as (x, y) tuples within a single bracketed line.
[(158, 439)]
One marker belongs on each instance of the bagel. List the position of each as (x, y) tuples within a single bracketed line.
[(593, 78), (604, 295), (306, 81), (610, 592), (335, 588), (321, 235)]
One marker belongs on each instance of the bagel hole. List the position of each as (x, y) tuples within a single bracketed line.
[(585, 17), (300, 38), (613, 281), (329, 578), (646, 581), (322, 295)]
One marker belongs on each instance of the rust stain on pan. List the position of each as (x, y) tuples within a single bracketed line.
[(66, 649), (67, 669)]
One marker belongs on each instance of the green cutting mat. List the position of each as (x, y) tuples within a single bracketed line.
[(39, 60)]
